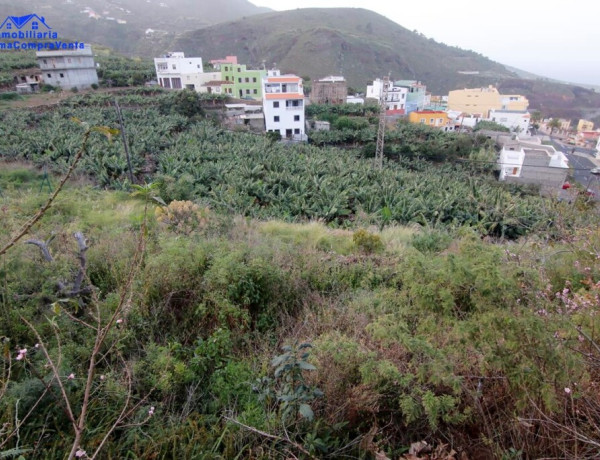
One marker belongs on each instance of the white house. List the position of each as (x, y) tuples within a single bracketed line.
[(515, 120), (174, 70), (395, 102), (68, 68), (531, 163), (283, 104)]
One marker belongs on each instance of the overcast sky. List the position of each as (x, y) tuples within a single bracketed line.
[(554, 39)]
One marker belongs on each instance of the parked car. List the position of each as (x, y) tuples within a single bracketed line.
[(595, 171)]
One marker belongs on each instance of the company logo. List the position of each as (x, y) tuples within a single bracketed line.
[(31, 28)]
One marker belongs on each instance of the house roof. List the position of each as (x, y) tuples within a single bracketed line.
[(20, 21)]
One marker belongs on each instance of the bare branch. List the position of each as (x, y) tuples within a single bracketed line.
[(43, 247)]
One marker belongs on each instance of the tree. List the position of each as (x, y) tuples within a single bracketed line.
[(554, 124)]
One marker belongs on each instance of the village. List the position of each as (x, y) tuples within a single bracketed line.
[(532, 150)]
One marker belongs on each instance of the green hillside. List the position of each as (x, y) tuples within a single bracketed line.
[(356, 43)]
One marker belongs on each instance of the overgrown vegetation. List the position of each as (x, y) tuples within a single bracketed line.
[(239, 326)]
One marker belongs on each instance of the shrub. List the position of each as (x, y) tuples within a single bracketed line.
[(367, 242)]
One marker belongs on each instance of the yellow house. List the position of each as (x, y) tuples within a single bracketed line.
[(435, 118), (585, 125), (480, 101)]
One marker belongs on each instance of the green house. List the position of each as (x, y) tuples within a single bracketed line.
[(247, 84)]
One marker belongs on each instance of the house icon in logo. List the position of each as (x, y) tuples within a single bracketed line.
[(28, 22)]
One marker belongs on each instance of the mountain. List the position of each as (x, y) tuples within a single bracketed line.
[(356, 43), (362, 45), (129, 26)]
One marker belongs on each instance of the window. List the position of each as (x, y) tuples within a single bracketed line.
[(276, 104), (297, 131), (253, 79), (276, 118), (49, 75), (8, 26), (239, 80), (45, 62), (226, 68), (176, 83), (247, 80), (174, 67), (247, 91), (422, 120), (296, 117), (227, 78), (62, 75), (432, 120), (239, 69), (197, 66), (255, 91)]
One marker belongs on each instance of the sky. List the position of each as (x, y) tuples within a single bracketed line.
[(554, 39)]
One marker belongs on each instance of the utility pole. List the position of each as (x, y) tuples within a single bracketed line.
[(381, 128), (124, 141)]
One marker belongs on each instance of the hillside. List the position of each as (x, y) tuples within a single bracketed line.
[(356, 43), (123, 24)]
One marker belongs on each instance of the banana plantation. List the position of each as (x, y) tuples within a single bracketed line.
[(193, 158)]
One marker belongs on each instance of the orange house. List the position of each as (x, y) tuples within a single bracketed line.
[(435, 118)]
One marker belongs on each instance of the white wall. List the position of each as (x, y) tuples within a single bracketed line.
[(515, 121), (510, 162)]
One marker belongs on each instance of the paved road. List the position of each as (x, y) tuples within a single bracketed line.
[(581, 172)]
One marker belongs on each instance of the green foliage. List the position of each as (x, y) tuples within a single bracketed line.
[(292, 392), (367, 242), (490, 125)]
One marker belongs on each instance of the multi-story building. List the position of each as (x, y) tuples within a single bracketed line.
[(395, 101), (68, 68), (434, 118), (480, 101), (246, 83), (329, 90), (283, 104), (416, 97), (585, 125), (175, 71)]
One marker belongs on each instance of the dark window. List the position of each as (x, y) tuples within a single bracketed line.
[(62, 75), (297, 131), (226, 68), (247, 91), (45, 62), (9, 26), (255, 92), (247, 80), (239, 80), (239, 69), (276, 118), (253, 79), (276, 104), (296, 117)]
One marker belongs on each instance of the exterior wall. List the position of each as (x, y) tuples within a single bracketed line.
[(330, 90), (483, 100), (585, 125), (283, 104), (68, 69), (416, 98), (246, 83), (515, 121), (175, 71), (510, 162), (474, 101), (395, 103), (435, 119), (195, 81)]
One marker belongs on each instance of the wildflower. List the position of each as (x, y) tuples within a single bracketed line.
[(102, 377), (151, 411), (567, 390), (21, 355), (119, 321), (80, 453), (37, 345), (71, 376)]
